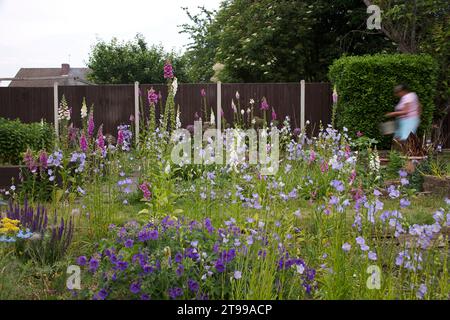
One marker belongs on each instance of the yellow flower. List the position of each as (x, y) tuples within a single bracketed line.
[(9, 226)]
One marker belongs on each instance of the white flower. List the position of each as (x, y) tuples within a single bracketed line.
[(300, 269), (84, 112), (213, 118), (233, 106), (252, 101), (242, 112), (167, 169), (178, 121), (237, 95), (175, 86)]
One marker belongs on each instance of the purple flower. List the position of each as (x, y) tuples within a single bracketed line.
[(193, 285), (93, 264), (346, 247), (82, 261), (372, 256), (180, 270), (168, 70), (178, 257), (297, 132), (422, 291), (403, 174), (122, 265), (135, 287), (237, 275), (101, 295), (264, 105), (362, 243), (175, 293), (129, 243), (404, 203), (393, 192), (338, 185), (145, 297), (220, 267)]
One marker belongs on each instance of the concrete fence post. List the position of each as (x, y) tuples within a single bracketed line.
[(302, 104), (219, 106), (55, 108), (136, 111)]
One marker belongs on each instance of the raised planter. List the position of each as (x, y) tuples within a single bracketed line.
[(436, 185), (7, 173)]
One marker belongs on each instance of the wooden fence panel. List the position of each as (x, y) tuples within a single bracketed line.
[(113, 105), (27, 104)]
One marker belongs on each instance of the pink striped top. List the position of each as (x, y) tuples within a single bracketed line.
[(413, 100)]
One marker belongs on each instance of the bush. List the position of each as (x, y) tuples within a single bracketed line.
[(16, 137), (365, 87)]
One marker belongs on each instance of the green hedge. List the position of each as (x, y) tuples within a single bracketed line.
[(16, 137), (365, 88)]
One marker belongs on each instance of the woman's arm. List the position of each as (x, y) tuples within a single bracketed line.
[(400, 113)]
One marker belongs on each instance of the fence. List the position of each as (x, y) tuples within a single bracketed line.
[(114, 104)]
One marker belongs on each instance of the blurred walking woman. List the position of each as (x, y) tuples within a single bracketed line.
[(407, 112)]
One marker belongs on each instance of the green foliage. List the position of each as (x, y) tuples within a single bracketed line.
[(269, 41), (421, 26), (117, 62), (396, 163), (365, 87), (201, 52), (16, 137)]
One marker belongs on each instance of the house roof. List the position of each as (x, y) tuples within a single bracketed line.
[(64, 76)]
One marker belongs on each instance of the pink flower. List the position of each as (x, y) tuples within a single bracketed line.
[(168, 70), (264, 104), (335, 96), (29, 161), (43, 159), (203, 92), (100, 138), (145, 188), (359, 134), (83, 143), (274, 115), (120, 138), (152, 97), (131, 117), (312, 156), (91, 125)]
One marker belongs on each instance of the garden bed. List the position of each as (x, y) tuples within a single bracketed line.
[(436, 185)]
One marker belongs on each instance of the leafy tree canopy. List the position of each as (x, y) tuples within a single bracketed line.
[(287, 40), (118, 62)]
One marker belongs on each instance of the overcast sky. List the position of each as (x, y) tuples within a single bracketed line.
[(46, 33)]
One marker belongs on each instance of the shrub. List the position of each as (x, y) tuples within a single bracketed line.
[(46, 240), (16, 137), (365, 87)]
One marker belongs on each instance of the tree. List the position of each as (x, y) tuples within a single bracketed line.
[(117, 62), (287, 40), (201, 51), (421, 26)]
